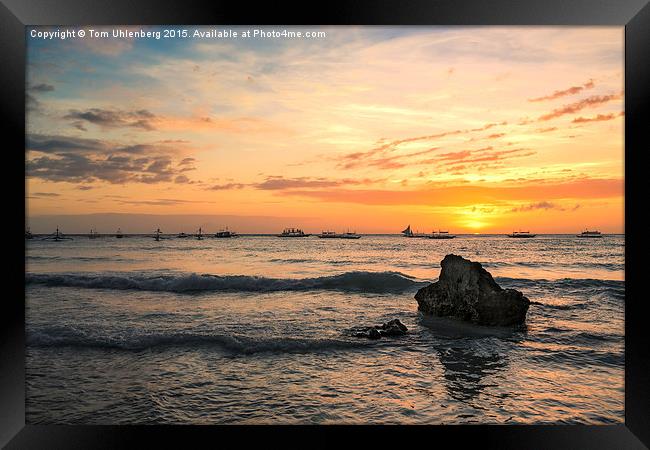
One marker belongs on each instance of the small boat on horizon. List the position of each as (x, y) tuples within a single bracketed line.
[(407, 232), (441, 235), (119, 234), (199, 235), (157, 234), (28, 234), (182, 235), (590, 234), (225, 234), (57, 236), (335, 235), (93, 234), (521, 234), (293, 232)]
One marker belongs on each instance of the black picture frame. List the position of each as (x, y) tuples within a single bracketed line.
[(633, 14)]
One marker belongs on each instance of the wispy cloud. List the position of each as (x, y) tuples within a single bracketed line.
[(562, 93), (598, 118), (572, 108)]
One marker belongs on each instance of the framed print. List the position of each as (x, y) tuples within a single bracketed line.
[(376, 219)]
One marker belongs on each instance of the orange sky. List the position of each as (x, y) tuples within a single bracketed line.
[(470, 129)]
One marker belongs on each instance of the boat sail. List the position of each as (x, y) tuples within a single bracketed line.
[(407, 232)]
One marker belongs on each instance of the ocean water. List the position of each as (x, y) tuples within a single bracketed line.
[(255, 329)]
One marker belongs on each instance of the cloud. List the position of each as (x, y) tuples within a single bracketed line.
[(227, 186), (44, 195), (43, 87), (598, 118), (368, 158), (546, 130), (543, 205), (74, 168), (465, 195), (588, 102), (113, 118), (58, 144), (570, 91)]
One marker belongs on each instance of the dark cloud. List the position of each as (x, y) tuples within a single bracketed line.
[(227, 186), (76, 160), (543, 205), (45, 194), (42, 88), (63, 144), (570, 91), (113, 169), (113, 118)]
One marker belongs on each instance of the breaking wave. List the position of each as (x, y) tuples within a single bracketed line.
[(235, 345), (371, 282)]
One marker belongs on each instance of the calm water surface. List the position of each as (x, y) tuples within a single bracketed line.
[(254, 330)]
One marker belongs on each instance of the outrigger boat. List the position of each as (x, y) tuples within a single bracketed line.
[(119, 234), (225, 234), (441, 235), (334, 235), (293, 232), (521, 234), (590, 234), (199, 235), (407, 232), (58, 236)]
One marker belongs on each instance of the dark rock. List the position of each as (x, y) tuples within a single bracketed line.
[(391, 328), (467, 291)]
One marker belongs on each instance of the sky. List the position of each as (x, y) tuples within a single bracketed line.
[(466, 129)]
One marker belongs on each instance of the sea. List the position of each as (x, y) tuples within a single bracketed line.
[(256, 330)]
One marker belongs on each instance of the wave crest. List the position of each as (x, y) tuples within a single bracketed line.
[(371, 282)]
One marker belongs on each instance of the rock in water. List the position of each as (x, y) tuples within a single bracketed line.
[(390, 328), (467, 291)]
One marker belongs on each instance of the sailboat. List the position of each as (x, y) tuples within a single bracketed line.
[(157, 234), (93, 234), (199, 236), (119, 234), (407, 232), (57, 236)]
